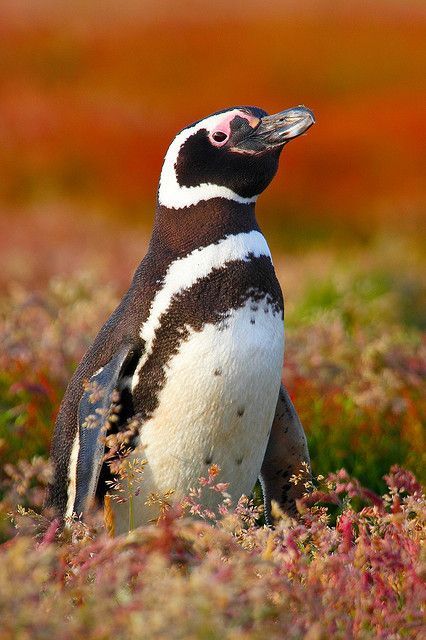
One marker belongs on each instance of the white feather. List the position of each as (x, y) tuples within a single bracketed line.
[(215, 375), (72, 476)]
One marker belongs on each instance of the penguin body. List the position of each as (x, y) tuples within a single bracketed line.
[(195, 348), (214, 375)]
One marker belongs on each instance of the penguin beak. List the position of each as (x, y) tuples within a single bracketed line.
[(276, 130)]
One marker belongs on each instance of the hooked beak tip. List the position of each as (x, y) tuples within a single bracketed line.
[(289, 124)]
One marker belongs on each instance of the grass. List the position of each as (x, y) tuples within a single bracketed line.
[(350, 567), (226, 577)]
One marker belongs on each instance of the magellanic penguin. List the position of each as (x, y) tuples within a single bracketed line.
[(195, 347)]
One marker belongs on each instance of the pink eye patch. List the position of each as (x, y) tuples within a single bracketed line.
[(220, 133)]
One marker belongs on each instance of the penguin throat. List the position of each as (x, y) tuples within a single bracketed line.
[(207, 222)]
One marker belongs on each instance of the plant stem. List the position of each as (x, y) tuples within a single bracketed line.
[(131, 509)]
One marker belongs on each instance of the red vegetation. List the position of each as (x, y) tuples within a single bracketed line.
[(227, 577), (90, 99)]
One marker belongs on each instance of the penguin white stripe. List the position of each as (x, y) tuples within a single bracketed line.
[(174, 196), (72, 476), (185, 272)]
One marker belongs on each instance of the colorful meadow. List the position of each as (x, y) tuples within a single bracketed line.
[(90, 97), (352, 566)]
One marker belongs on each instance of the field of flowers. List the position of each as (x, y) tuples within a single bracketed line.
[(230, 578), (352, 566), (91, 94)]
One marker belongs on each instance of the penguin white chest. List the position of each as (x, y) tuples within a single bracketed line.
[(215, 407)]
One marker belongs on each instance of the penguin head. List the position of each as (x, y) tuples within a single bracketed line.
[(231, 154)]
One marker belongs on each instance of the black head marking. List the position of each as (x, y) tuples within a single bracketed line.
[(247, 174)]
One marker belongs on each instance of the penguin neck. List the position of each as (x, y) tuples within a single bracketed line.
[(180, 231)]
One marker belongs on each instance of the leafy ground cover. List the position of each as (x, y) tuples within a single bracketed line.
[(227, 577), (85, 118), (352, 566)]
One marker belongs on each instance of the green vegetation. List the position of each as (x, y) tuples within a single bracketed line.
[(350, 567)]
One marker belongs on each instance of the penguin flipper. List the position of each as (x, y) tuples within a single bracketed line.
[(93, 419), (286, 454)]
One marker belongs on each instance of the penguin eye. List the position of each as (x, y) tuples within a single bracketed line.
[(219, 136)]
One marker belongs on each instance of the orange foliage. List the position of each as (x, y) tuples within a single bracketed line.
[(90, 98)]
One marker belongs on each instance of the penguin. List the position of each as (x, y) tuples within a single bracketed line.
[(195, 348)]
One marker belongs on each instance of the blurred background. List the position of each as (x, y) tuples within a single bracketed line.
[(91, 93)]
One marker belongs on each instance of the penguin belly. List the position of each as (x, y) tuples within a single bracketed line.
[(216, 406)]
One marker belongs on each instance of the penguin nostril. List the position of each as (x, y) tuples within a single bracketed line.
[(219, 136)]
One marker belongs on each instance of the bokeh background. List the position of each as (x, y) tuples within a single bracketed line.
[(91, 93)]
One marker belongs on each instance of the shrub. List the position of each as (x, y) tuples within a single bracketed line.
[(226, 577)]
